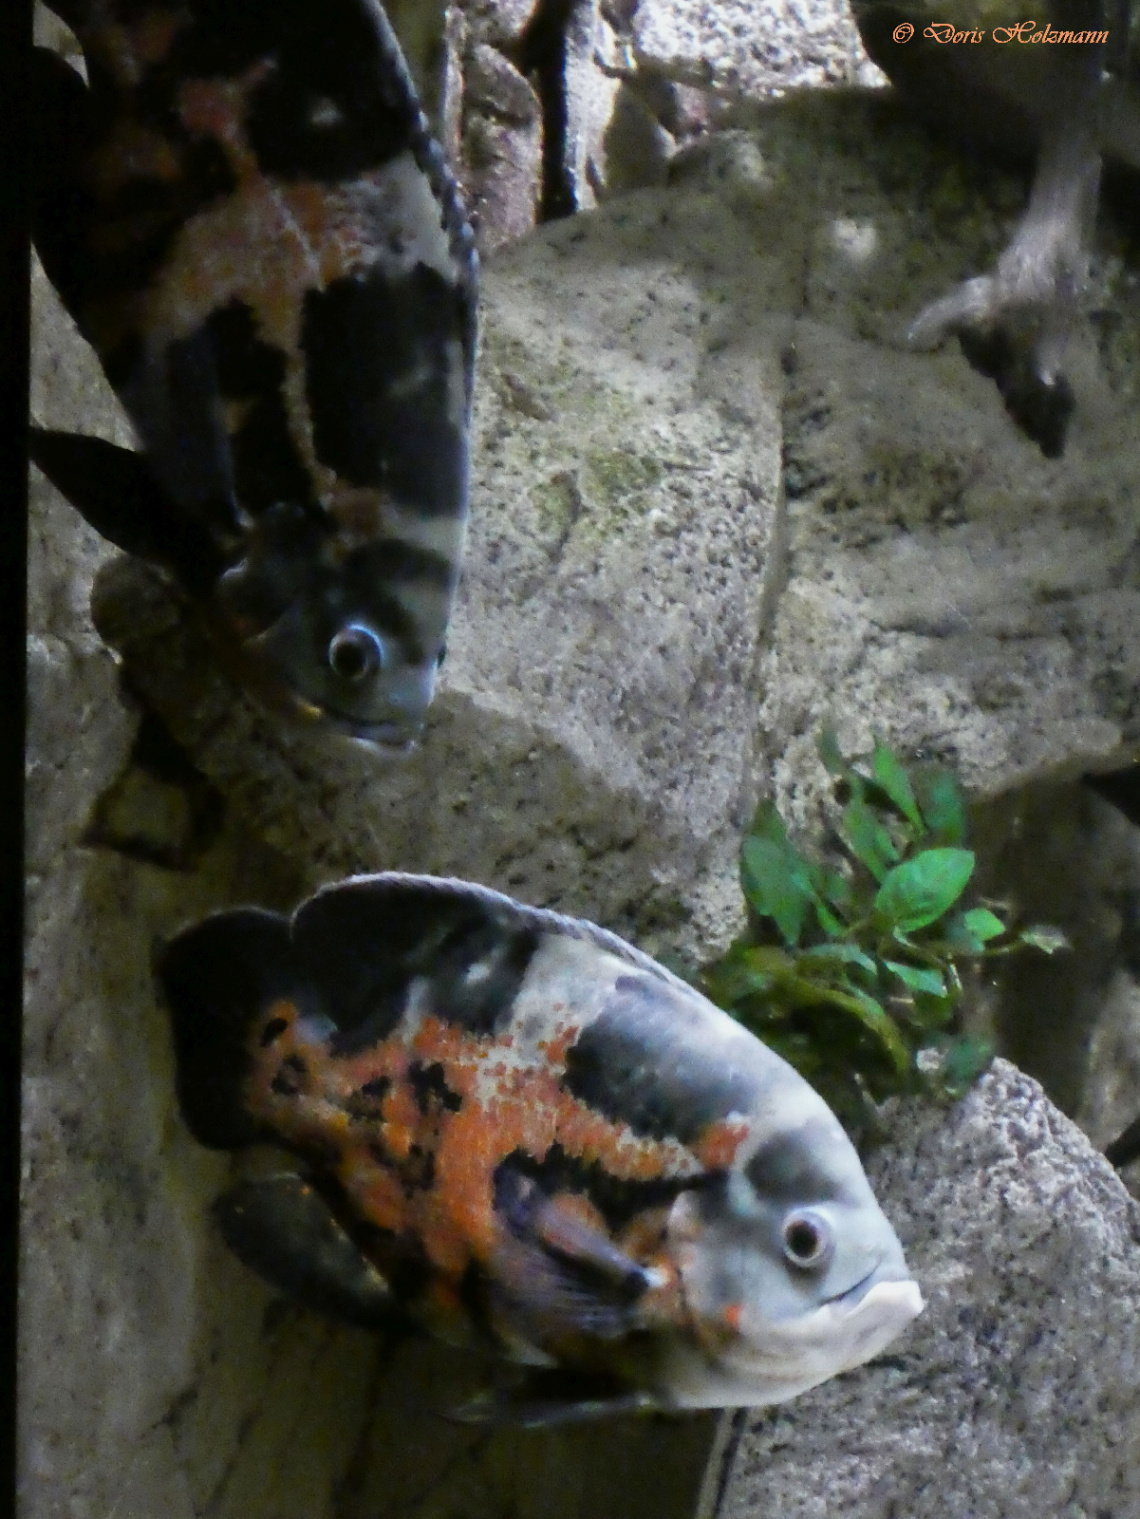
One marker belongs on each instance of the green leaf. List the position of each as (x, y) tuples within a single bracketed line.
[(867, 839), (959, 938), (917, 979), (983, 924), (827, 747), (1045, 937), (832, 926), (744, 971), (932, 1012), (777, 884), (768, 824), (827, 955), (890, 777), (837, 889), (920, 890), (963, 1063), (943, 805)]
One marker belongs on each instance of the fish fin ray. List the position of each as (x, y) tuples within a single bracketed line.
[(283, 1229), (544, 1398), (216, 977), (555, 1273)]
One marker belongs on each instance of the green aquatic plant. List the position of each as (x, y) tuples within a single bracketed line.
[(851, 966)]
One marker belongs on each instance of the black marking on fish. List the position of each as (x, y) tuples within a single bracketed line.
[(290, 1078), (384, 415), (646, 1062), (617, 1198), (366, 947), (432, 1092), (784, 1169)]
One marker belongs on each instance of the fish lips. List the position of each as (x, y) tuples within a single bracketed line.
[(780, 1360), (872, 1312)]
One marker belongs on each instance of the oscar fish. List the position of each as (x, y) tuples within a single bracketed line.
[(520, 1133), (246, 214)]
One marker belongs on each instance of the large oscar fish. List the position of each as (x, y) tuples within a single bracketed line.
[(245, 213), (521, 1133)]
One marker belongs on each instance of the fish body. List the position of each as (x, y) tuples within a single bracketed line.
[(524, 1135), (247, 216)]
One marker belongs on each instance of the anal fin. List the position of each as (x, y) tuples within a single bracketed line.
[(282, 1228)]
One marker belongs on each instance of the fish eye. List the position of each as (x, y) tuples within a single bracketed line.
[(807, 1239), (355, 653)]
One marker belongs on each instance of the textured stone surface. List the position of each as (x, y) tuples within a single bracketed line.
[(1069, 858), (947, 585), (501, 148), (748, 48), (1014, 1395)]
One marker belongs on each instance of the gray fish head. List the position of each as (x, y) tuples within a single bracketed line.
[(343, 656), (790, 1272)]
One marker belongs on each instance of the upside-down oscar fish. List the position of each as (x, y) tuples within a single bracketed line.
[(251, 224), (523, 1134)]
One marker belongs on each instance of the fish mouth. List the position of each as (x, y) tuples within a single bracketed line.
[(388, 739), (853, 1296), (392, 740)]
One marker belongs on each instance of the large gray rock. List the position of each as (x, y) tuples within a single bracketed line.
[(1014, 1396)]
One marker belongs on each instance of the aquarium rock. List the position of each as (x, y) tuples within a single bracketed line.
[(1014, 1396)]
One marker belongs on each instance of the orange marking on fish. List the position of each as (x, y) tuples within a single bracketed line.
[(375, 1192), (555, 1047), (217, 108), (716, 1149), (732, 1315), (401, 1121)]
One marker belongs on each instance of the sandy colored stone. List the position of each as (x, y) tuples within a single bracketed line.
[(1014, 1395), (747, 48)]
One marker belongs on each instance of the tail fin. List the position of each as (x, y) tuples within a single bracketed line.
[(216, 977)]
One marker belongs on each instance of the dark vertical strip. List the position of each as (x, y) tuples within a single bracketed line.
[(15, 62), (542, 58)]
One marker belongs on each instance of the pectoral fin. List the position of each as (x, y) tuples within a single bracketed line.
[(558, 1274), (60, 103), (116, 491)]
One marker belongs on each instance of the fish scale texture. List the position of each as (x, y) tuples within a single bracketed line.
[(1015, 1395)]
